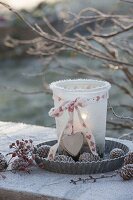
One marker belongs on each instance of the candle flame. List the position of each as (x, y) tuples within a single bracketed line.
[(84, 116)]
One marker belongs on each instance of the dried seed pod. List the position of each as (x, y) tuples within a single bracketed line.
[(64, 158), (127, 172), (129, 158), (43, 151), (88, 157), (116, 153), (18, 164)]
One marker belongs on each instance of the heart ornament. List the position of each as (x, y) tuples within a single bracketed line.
[(72, 143)]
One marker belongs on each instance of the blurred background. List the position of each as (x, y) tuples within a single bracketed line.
[(21, 75)]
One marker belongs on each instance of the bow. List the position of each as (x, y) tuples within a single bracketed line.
[(70, 107)]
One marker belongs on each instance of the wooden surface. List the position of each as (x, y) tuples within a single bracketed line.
[(42, 185)]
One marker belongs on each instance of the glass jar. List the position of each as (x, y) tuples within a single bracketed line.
[(94, 114)]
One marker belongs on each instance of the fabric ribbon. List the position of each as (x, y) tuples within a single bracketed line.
[(70, 107)]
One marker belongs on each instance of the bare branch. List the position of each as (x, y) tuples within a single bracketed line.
[(67, 42), (51, 27), (125, 29)]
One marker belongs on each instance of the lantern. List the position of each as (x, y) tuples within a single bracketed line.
[(80, 113)]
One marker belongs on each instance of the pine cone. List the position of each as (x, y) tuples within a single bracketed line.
[(43, 151), (129, 158), (88, 157), (3, 162), (116, 153), (19, 163), (64, 158), (127, 172)]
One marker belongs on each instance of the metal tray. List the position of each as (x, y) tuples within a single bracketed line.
[(102, 166)]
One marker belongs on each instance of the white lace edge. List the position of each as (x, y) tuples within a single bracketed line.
[(56, 85)]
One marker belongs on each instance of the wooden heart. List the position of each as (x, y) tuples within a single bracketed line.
[(72, 143)]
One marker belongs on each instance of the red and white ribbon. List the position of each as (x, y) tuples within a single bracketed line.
[(72, 106)]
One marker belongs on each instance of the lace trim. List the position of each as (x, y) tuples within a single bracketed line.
[(59, 85)]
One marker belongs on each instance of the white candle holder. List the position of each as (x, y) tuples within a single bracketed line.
[(94, 114)]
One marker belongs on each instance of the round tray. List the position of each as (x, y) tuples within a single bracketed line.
[(104, 165)]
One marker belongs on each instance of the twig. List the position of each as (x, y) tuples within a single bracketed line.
[(115, 33), (51, 27), (118, 116), (93, 178)]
